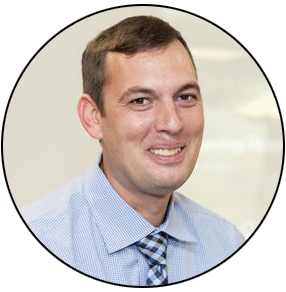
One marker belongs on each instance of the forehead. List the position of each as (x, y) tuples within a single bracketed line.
[(166, 64)]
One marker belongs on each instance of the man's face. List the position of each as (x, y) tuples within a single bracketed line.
[(153, 123)]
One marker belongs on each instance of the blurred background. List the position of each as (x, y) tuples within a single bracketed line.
[(238, 169)]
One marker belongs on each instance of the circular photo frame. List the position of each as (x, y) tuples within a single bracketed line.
[(239, 164)]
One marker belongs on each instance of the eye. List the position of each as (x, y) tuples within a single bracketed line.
[(140, 101), (186, 97)]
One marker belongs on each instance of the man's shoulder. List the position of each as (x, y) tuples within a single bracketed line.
[(48, 211), (206, 222), (192, 207)]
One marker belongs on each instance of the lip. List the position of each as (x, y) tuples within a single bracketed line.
[(161, 159), (166, 145)]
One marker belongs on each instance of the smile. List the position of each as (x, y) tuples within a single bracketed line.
[(166, 152)]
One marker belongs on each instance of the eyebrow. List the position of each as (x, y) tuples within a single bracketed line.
[(192, 85), (145, 90), (136, 89)]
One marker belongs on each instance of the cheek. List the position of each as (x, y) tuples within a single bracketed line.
[(195, 122), (126, 129), (136, 127)]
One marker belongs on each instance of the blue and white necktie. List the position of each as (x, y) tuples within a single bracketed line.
[(154, 248)]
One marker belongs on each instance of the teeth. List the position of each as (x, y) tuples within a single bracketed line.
[(166, 152)]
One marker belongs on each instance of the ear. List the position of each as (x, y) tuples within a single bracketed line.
[(89, 116)]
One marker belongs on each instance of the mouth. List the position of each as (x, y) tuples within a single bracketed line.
[(167, 155), (166, 152)]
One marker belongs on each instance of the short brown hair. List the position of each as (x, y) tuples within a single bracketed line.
[(129, 36)]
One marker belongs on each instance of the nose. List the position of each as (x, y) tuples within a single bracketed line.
[(168, 118)]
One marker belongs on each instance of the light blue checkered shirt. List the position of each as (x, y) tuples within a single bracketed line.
[(91, 228)]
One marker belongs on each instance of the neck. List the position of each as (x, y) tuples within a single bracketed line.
[(150, 206)]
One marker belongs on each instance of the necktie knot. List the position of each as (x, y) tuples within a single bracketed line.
[(154, 248)]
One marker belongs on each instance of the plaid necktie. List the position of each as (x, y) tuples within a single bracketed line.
[(154, 247)]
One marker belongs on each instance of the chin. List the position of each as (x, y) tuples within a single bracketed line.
[(168, 185)]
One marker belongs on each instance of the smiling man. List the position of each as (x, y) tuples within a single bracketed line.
[(123, 221)]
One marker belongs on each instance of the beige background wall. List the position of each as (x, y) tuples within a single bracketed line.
[(239, 165)]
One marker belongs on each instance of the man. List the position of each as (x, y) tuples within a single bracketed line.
[(122, 220)]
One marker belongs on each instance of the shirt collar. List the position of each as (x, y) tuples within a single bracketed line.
[(174, 223), (119, 224)]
